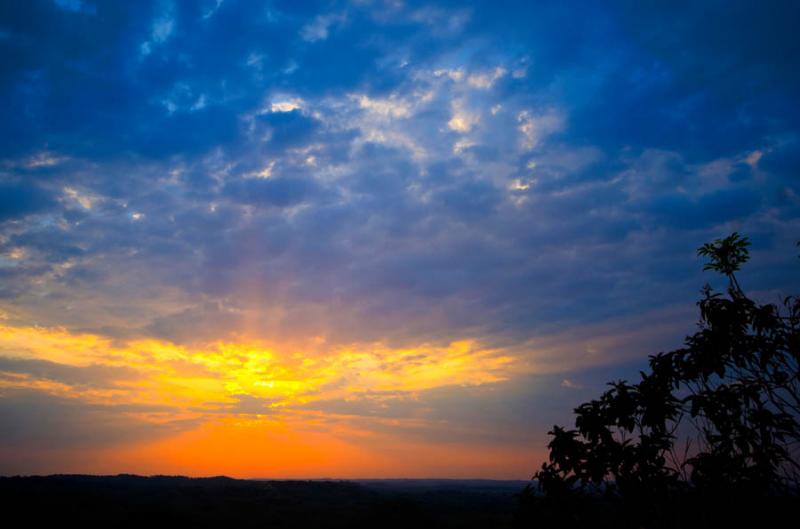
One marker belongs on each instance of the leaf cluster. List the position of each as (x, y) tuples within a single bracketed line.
[(717, 415)]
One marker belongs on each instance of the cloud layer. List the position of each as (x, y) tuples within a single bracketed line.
[(399, 205)]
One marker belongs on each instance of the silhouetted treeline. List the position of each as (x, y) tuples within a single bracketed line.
[(145, 502)]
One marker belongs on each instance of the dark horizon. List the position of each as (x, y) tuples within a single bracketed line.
[(129, 501), (432, 480)]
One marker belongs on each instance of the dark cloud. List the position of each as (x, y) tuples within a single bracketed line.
[(92, 375), (37, 420)]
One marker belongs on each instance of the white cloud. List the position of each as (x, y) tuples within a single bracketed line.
[(162, 28), (83, 200), (319, 28), (462, 120), (462, 144), (286, 105), (520, 185), (753, 158), (456, 74), (392, 107), (266, 172), (486, 80), (208, 14), (534, 128), (43, 159)]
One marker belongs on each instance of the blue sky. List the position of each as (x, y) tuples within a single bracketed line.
[(532, 178)]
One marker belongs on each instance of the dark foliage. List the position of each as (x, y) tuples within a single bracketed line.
[(709, 425)]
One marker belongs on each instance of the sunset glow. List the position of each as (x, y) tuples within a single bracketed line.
[(248, 408), (365, 238)]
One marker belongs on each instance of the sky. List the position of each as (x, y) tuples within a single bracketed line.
[(371, 238)]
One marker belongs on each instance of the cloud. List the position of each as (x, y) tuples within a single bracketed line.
[(286, 105), (367, 185), (462, 120), (319, 28), (486, 80), (275, 191), (38, 421), (392, 107), (534, 128), (92, 375), (162, 28)]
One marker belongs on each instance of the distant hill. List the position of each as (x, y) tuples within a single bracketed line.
[(135, 501)]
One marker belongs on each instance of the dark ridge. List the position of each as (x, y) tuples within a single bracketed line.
[(138, 501)]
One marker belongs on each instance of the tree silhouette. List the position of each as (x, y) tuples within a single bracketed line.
[(717, 417)]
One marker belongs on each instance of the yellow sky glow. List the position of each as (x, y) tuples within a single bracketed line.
[(162, 382)]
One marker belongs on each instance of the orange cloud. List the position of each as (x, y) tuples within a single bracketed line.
[(218, 372), (247, 399)]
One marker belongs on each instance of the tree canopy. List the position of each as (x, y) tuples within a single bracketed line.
[(719, 416)]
